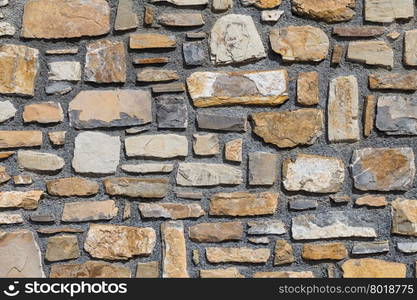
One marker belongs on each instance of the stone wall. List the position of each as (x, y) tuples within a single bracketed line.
[(199, 138)]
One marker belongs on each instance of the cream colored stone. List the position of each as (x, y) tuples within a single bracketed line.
[(385, 11), (174, 252), (43, 113), (375, 53), (82, 211), (19, 199), (373, 268), (158, 145), (64, 70), (237, 255), (39, 161), (202, 174)]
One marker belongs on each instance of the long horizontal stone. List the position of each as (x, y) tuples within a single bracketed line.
[(373, 268), (18, 199), (82, 211), (151, 41), (407, 247), (148, 168), (370, 247), (172, 211), (376, 53), (203, 174), (181, 19), (358, 31), (266, 227), (385, 11), (136, 187), (221, 273), (238, 88), (284, 274), (216, 232), (39, 161), (393, 81), (90, 269), (72, 186), (237, 255), (20, 138), (221, 122), (158, 145)]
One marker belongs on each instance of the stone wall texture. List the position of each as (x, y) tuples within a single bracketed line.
[(208, 138)]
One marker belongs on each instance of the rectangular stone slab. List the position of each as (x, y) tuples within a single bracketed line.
[(20, 138), (238, 88), (151, 41)]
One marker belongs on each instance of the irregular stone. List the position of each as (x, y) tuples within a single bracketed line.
[(370, 247), (127, 211), (299, 43), (64, 70), (340, 199), (114, 242), (337, 54), (151, 60), (393, 81), (148, 168), (148, 15), (181, 19), (221, 6), (136, 187), (82, 211), (171, 111), (57, 138), (156, 75), (183, 2), (158, 145), (238, 88), (369, 115), (313, 173), (172, 211), (385, 11), (288, 129), (343, 110), (62, 247), (89, 269), (10, 218), (43, 113), (328, 251), (233, 150), (284, 274), (259, 240), (283, 254), (302, 204), (59, 230), (7, 111), (110, 108), (4, 176), (329, 11), (371, 201), (39, 161), (21, 256), (62, 51), (19, 68), (308, 88), (262, 4), (58, 88), (196, 257), (174, 251), (329, 225), (262, 168), (373, 268), (151, 41), (42, 218), (383, 169), (375, 53), (271, 15), (393, 35), (105, 62), (231, 272), (96, 152), (173, 87), (54, 19), (221, 122), (126, 18), (407, 247), (203, 174), (194, 54), (20, 138), (71, 186), (237, 255), (404, 217), (266, 227), (7, 29), (216, 232), (358, 31), (206, 144), (234, 38), (147, 270), (6, 154), (240, 204)]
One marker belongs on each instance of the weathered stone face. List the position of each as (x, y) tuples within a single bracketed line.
[(148, 270), (112, 108), (266, 227), (393, 81), (54, 19), (64, 70), (221, 122), (43, 113), (18, 69), (284, 274), (7, 111), (325, 10), (234, 38), (206, 144), (20, 138), (18, 199), (383, 169), (174, 252), (72, 186), (159, 145), (376, 53), (233, 150), (333, 251), (242, 87), (308, 88), (373, 268), (289, 128), (358, 31), (299, 43), (39, 161), (396, 115), (202, 174), (62, 247), (148, 168), (126, 17), (370, 247), (283, 253), (237, 255), (82, 211), (384, 11), (410, 52), (404, 217), (89, 269), (221, 273), (136, 187), (372, 201), (216, 232), (172, 211), (262, 168), (151, 41), (171, 112), (181, 19)]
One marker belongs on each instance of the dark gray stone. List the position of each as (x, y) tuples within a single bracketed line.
[(194, 54), (370, 247), (58, 88), (221, 122), (42, 218), (171, 112), (302, 204)]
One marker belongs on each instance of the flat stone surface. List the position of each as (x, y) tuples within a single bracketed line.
[(233, 150), (136, 187), (329, 11), (206, 144), (343, 110), (171, 111), (19, 67), (308, 88), (151, 41), (181, 19), (266, 227), (337, 54), (110, 108), (313, 173), (147, 270), (148, 168), (216, 232), (407, 247), (375, 53), (283, 253), (7, 111), (369, 112), (385, 11), (284, 274), (72, 186), (42, 218), (151, 60), (262, 168), (358, 31), (105, 62), (234, 38), (221, 6), (7, 29), (231, 272), (58, 88), (289, 129), (55, 230), (204, 174), (371, 201), (328, 251), (174, 251), (39, 161), (43, 113), (126, 18), (299, 43), (89, 269), (158, 145), (370, 247), (156, 75), (302, 204), (271, 15), (373, 268), (189, 195), (113, 242), (404, 217), (62, 247), (96, 153), (393, 81), (173, 87), (259, 240), (10, 218), (62, 51), (54, 19), (240, 204), (237, 255), (331, 225), (57, 138), (221, 122), (20, 138), (410, 52), (21, 256), (194, 53), (83, 211), (172, 211), (64, 70), (383, 169)]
